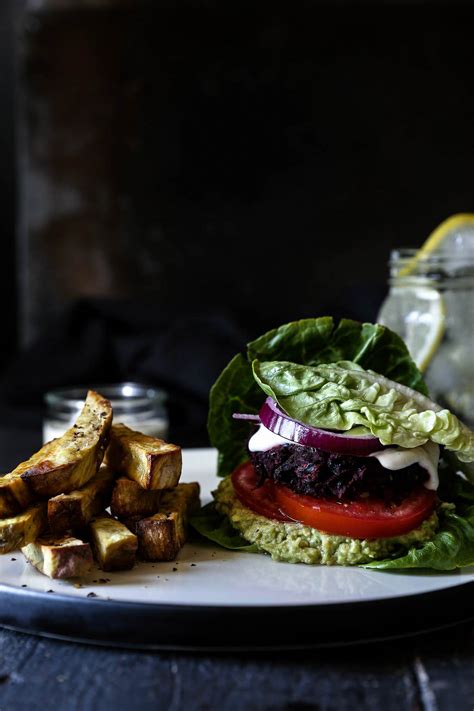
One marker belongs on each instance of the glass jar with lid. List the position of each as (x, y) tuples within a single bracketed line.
[(430, 304), (139, 406)]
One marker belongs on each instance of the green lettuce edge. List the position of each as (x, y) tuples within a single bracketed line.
[(451, 547), (342, 395), (216, 527), (310, 341)]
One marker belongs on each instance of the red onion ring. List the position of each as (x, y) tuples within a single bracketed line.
[(244, 416), (275, 420)]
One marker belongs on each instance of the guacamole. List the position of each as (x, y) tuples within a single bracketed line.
[(298, 543)]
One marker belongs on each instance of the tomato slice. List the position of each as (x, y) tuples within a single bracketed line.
[(258, 498), (365, 518)]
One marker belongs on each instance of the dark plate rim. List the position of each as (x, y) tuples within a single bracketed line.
[(231, 628)]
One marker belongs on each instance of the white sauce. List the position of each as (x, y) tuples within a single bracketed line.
[(427, 456), (265, 439)]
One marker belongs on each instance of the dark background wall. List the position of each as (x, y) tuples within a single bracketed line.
[(250, 161), (8, 331), (266, 159)]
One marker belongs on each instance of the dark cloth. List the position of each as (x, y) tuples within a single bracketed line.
[(181, 349), (105, 341)]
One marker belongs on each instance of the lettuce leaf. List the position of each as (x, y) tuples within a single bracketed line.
[(344, 395), (451, 547), (216, 527), (310, 342)]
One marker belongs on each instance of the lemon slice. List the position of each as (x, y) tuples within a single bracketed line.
[(454, 236), (415, 309), (420, 313)]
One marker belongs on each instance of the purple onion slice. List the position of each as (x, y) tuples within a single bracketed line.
[(275, 420)]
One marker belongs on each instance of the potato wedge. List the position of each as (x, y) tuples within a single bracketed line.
[(129, 499), (15, 495), (59, 557), (160, 537), (22, 529), (73, 511), (151, 462), (67, 463), (114, 545)]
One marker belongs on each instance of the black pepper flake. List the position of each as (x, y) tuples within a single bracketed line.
[(174, 570), (48, 591), (193, 565), (24, 585), (12, 558), (91, 594)]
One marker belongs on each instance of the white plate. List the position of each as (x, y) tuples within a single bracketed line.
[(205, 577)]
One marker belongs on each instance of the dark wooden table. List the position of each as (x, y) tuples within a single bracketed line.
[(432, 672), (435, 672)]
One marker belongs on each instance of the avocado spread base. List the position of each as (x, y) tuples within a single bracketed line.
[(297, 543)]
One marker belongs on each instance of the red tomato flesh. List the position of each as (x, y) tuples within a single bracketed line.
[(258, 498), (364, 518)]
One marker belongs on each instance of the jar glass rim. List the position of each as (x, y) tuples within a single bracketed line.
[(459, 255), (133, 393)]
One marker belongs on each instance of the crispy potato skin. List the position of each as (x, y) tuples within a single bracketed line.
[(64, 514), (60, 557), (75, 566), (67, 463), (161, 537), (114, 545), (15, 495), (129, 499), (46, 479), (151, 462), (73, 511), (25, 527)]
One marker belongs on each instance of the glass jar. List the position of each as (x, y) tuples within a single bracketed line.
[(141, 407), (430, 304)]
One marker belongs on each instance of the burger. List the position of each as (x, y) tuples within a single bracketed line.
[(331, 452)]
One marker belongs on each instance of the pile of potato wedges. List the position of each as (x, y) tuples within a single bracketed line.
[(54, 506)]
